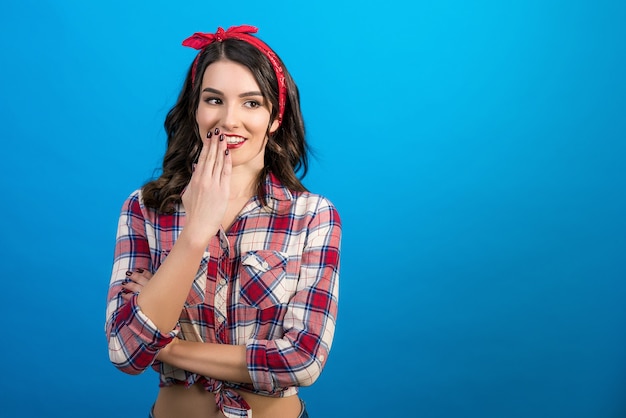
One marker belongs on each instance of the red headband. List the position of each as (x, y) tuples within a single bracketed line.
[(201, 40)]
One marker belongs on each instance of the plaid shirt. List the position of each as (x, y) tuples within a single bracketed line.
[(270, 283)]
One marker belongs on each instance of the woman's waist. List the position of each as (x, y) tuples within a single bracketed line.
[(198, 402), (269, 406), (177, 401)]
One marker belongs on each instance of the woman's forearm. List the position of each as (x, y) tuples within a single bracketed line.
[(218, 361), (163, 297)]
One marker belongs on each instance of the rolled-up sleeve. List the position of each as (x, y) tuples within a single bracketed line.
[(298, 358), (133, 339)]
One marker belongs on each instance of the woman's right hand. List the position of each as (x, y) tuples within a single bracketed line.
[(135, 281), (206, 197)]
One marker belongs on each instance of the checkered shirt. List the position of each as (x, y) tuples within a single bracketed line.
[(270, 283)]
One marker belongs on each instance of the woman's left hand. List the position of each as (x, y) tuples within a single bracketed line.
[(136, 280)]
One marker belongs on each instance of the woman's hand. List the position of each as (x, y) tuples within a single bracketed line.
[(206, 197), (136, 280)]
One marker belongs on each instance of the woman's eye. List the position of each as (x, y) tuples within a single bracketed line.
[(253, 104), (212, 100)]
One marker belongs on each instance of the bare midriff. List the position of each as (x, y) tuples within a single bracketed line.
[(195, 402)]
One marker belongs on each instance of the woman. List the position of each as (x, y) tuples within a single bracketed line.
[(225, 276)]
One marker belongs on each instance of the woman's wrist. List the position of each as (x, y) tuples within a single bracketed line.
[(165, 354), (193, 241)]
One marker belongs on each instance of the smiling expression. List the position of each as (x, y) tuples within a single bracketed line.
[(231, 100)]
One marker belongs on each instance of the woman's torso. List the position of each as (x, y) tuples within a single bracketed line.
[(261, 250), (195, 402)]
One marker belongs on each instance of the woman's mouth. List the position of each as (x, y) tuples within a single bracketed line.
[(234, 141)]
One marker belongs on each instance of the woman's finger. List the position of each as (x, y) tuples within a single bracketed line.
[(132, 287), (146, 274), (203, 154), (139, 279), (219, 158), (140, 272), (137, 273), (209, 161), (226, 170)]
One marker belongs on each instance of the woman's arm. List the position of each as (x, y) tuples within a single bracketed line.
[(139, 326), (298, 358), (133, 339), (205, 201), (218, 361)]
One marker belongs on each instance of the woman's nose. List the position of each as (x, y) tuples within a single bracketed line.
[(230, 117)]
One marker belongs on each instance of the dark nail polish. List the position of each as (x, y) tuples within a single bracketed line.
[(209, 134), (128, 273), (226, 152), (217, 131), (139, 270), (221, 137)]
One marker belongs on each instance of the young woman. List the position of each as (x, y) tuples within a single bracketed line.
[(225, 275)]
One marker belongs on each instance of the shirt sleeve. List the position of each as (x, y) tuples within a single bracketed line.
[(133, 339), (298, 358)]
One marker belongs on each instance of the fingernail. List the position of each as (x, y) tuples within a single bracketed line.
[(217, 131), (129, 273), (226, 152), (139, 270), (221, 137), (209, 134)]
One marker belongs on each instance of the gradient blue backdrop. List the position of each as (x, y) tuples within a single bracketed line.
[(476, 152)]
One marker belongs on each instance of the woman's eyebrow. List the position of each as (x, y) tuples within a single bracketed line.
[(245, 94), (212, 90), (251, 93)]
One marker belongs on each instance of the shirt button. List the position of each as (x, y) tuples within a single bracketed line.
[(265, 265), (220, 319), (222, 282)]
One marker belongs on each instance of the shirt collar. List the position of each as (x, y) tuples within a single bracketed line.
[(274, 189)]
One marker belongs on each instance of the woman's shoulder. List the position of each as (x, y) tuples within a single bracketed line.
[(315, 203), (135, 204), (134, 200), (300, 199), (136, 195), (313, 198)]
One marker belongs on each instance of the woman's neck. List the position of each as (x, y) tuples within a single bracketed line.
[(243, 183)]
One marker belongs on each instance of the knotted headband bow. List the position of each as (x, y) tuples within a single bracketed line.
[(201, 40)]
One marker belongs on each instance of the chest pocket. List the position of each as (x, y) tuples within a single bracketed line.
[(264, 280)]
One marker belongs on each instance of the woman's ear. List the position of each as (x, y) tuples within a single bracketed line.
[(274, 126)]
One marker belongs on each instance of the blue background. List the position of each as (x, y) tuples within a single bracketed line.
[(476, 152)]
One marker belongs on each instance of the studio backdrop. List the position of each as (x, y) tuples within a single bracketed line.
[(475, 151)]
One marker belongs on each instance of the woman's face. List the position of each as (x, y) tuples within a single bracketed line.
[(231, 100)]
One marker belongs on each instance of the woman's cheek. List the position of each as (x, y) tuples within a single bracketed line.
[(205, 119), (261, 121)]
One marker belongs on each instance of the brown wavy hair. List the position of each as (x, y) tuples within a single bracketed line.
[(286, 152)]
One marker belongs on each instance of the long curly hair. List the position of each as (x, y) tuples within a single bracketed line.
[(286, 152)]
